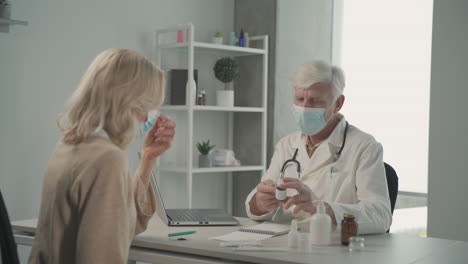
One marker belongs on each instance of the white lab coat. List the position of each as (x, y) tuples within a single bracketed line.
[(355, 183)]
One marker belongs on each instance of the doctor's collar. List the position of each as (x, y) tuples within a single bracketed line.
[(336, 136)]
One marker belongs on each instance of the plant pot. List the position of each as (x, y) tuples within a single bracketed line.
[(203, 161), (5, 11), (218, 40), (225, 98)]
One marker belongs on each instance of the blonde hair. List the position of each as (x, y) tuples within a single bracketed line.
[(313, 72), (118, 85)]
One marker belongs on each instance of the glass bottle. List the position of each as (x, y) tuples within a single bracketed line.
[(203, 99), (232, 39), (349, 228), (241, 39)]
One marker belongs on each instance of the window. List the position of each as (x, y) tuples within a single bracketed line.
[(384, 48)]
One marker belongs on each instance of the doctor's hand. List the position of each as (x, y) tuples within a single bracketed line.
[(303, 200), (158, 139), (264, 200)]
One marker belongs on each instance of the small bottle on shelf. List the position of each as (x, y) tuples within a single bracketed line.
[(241, 39), (203, 96), (200, 98), (232, 39), (246, 39), (180, 36)]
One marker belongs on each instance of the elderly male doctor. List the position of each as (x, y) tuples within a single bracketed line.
[(340, 164)]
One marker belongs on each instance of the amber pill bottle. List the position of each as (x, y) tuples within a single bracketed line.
[(349, 228)]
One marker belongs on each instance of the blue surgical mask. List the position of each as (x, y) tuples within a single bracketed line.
[(144, 127), (309, 120)]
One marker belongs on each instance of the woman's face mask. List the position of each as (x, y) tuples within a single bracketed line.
[(144, 127)]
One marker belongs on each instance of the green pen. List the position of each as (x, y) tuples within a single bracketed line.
[(181, 233)]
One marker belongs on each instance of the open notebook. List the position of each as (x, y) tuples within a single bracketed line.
[(257, 233)]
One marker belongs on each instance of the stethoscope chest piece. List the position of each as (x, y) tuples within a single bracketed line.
[(280, 193)]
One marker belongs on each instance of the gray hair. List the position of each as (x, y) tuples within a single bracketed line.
[(313, 72)]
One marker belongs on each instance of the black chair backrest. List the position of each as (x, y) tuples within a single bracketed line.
[(8, 247), (392, 182)]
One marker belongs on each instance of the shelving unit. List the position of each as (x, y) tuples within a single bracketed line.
[(5, 24), (210, 48), (189, 49), (213, 108)]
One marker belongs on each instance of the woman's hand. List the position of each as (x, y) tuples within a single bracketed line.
[(303, 200), (158, 139)]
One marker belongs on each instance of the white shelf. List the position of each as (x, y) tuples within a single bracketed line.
[(212, 169), (228, 109), (7, 21), (192, 50), (224, 50), (213, 108), (174, 107)]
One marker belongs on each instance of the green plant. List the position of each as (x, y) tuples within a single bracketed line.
[(217, 34), (4, 2), (226, 69), (204, 147)]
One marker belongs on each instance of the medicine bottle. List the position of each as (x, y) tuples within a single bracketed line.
[(320, 226), (280, 192), (349, 228)]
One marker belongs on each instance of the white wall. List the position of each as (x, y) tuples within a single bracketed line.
[(41, 64), (303, 33), (448, 128), (387, 62)]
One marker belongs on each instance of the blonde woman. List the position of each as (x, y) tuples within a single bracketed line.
[(91, 207)]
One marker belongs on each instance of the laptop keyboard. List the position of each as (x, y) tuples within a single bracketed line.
[(185, 215)]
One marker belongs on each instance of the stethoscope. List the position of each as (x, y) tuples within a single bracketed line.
[(345, 133), (293, 161), (278, 215)]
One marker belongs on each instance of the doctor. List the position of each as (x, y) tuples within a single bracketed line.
[(340, 164)]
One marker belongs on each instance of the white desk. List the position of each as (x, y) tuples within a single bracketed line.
[(154, 246)]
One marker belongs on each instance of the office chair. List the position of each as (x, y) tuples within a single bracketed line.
[(8, 249), (392, 182)]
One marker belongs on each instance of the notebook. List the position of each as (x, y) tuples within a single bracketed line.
[(257, 233), (267, 229)]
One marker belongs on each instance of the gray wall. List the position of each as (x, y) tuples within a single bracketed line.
[(448, 144), (257, 18), (41, 64), (304, 33), (299, 30)]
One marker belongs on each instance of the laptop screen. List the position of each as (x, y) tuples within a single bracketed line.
[(160, 209)]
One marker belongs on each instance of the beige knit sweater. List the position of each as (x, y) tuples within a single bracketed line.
[(91, 207)]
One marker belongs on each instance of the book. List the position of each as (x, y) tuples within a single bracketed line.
[(255, 233), (177, 83)]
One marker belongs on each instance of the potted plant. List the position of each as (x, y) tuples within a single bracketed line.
[(217, 38), (5, 10), (225, 70), (204, 148)]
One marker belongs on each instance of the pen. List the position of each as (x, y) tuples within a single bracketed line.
[(181, 233)]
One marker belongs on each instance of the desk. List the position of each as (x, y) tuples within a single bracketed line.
[(153, 246)]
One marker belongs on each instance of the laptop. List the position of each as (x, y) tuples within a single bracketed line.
[(189, 217)]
